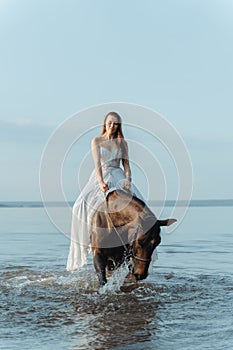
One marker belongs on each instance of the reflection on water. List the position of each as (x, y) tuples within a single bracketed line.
[(167, 309), (118, 318), (185, 304)]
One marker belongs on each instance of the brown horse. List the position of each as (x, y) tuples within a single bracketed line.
[(124, 229)]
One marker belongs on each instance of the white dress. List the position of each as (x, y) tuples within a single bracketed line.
[(88, 201)]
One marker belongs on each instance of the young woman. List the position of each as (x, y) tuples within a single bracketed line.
[(110, 152)]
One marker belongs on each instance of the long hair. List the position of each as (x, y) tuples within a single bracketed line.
[(118, 134)]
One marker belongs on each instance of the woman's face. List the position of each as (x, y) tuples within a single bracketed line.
[(111, 125)]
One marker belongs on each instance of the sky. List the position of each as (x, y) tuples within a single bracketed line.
[(60, 57)]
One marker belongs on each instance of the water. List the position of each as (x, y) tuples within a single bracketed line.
[(186, 303)]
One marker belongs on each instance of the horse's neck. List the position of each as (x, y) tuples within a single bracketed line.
[(125, 210), (148, 219)]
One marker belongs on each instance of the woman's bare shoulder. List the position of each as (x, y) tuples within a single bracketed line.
[(96, 141)]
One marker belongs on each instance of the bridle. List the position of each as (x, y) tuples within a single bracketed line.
[(140, 259)]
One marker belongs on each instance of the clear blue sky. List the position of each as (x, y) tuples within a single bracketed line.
[(62, 56)]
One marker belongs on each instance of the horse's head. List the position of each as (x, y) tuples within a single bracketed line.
[(143, 247)]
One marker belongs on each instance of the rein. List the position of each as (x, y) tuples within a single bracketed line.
[(125, 247)]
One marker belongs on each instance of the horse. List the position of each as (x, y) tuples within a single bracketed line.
[(123, 228)]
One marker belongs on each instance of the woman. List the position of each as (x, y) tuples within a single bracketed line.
[(109, 151)]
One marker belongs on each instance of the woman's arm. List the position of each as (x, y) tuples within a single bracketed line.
[(96, 157), (126, 165)]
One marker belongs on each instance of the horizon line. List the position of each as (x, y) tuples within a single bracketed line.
[(167, 202)]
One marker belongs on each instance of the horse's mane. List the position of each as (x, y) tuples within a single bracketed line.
[(146, 216), (127, 195)]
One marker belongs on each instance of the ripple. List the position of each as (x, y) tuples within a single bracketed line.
[(165, 309)]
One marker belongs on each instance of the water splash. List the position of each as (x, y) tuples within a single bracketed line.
[(116, 280)]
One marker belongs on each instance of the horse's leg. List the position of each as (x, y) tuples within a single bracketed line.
[(121, 256), (100, 264)]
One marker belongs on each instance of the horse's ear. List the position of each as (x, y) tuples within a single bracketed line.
[(166, 222)]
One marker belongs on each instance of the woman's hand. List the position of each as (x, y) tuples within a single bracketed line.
[(103, 186), (127, 184)]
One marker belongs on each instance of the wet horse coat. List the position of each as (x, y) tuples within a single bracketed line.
[(124, 228)]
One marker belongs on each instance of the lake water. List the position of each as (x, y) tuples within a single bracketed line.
[(185, 303)]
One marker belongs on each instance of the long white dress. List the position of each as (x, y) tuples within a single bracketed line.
[(88, 201)]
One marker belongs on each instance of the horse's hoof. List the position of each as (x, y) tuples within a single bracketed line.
[(128, 287), (130, 283)]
